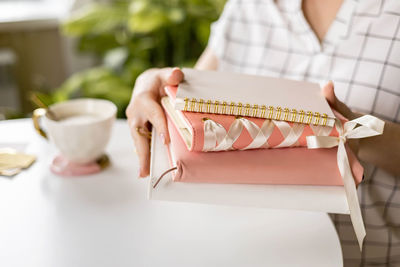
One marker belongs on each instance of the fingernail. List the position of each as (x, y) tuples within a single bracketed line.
[(139, 173), (162, 136)]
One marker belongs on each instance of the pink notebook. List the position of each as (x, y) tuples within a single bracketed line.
[(291, 166), (219, 132)]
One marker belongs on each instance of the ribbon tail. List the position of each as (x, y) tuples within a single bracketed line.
[(351, 193)]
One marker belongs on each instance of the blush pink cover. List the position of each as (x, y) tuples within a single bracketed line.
[(195, 120), (285, 166)]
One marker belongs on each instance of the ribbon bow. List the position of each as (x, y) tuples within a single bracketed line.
[(365, 126)]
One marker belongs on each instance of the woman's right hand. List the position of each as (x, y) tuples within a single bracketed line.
[(145, 108)]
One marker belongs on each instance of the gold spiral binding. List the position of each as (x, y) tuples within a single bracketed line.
[(263, 109), (240, 109), (255, 111), (224, 104), (186, 104), (309, 117), (232, 108), (192, 104), (278, 113), (247, 112), (294, 115), (216, 106), (317, 118), (286, 114), (208, 106), (270, 112), (324, 119), (301, 113), (240, 105), (201, 105)]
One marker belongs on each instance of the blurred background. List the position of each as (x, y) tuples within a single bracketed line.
[(62, 49)]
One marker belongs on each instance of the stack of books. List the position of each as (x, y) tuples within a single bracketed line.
[(244, 140)]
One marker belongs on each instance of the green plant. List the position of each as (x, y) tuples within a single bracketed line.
[(130, 36)]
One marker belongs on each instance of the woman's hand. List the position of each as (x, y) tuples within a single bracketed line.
[(329, 93), (336, 104), (383, 150), (145, 108)]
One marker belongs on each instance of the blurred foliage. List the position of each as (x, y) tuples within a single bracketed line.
[(9, 114), (130, 36)]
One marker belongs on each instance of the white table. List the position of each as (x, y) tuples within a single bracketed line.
[(106, 220)]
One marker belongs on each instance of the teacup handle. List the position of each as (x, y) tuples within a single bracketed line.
[(37, 114)]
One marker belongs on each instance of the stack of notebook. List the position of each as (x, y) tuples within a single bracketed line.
[(242, 140), (244, 129)]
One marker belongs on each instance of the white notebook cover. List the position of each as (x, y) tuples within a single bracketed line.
[(331, 199), (253, 90)]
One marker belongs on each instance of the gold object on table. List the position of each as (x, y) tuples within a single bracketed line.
[(103, 161), (13, 162)]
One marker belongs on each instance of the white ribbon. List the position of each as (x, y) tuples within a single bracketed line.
[(217, 139), (321, 130), (231, 137), (214, 133), (260, 135), (367, 126), (290, 134)]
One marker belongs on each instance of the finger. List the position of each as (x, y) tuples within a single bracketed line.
[(175, 77), (157, 118), (329, 93), (143, 151), (171, 76)]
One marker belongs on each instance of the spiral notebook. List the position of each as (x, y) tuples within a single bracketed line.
[(207, 131), (254, 96), (219, 132)]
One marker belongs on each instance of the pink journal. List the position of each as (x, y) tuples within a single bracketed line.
[(219, 132), (294, 166)]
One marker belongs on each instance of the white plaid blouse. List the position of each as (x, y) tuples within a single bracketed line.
[(361, 55)]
